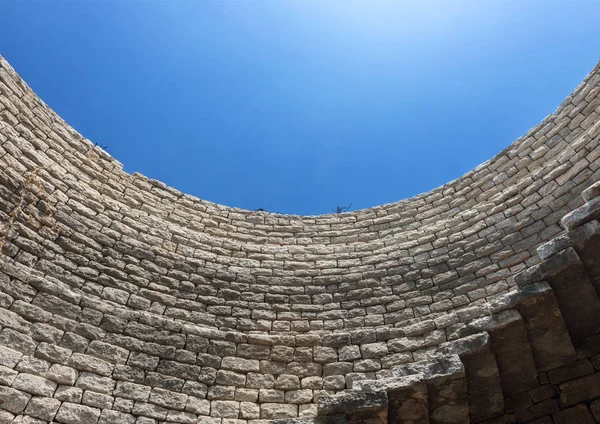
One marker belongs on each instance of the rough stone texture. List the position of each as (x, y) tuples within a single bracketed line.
[(42, 408), (124, 300), (70, 413)]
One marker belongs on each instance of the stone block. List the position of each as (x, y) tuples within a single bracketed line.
[(197, 406), (287, 382), (299, 396), (324, 355), (580, 390), (246, 395), (349, 353), (62, 374), (249, 411), (71, 413), (271, 411), (69, 394), (107, 352), (230, 378), (270, 395), (43, 408), (579, 414), (334, 382), (224, 409), (123, 405), (260, 381), (315, 383), (194, 388), (113, 417), (96, 383), (97, 400), (149, 410), (92, 364), (168, 399), (221, 393), (8, 375), (9, 357), (570, 372), (35, 385), (13, 400), (547, 391), (52, 353), (546, 407), (374, 350)]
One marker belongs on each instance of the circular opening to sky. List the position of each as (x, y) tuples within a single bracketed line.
[(301, 106)]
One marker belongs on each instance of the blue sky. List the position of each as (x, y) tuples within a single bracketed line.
[(298, 106)]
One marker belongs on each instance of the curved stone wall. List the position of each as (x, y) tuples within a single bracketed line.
[(124, 300)]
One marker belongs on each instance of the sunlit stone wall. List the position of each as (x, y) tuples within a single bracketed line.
[(124, 300)]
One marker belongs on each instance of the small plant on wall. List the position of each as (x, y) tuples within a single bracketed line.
[(341, 209)]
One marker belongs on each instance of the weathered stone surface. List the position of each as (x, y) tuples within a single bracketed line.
[(13, 400), (349, 353), (35, 385), (299, 396), (270, 395), (89, 381), (240, 364), (566, 240), (133, 391), (69, 394), (588, 212), (249, 411), (107, 352), (576, 414), (149, 410), (197, 406), (346, 402), (287, 382), (97, 400), (62, 374), (570, 371), (595, 408), (269, 411), (110, 417), (9, 357), (90, 363), (70, 413), (591, 192), (43, 408), (582, 389), (7, 376), (224, 409), (549, 339), (230, 378), (168, 399), (547, 407)]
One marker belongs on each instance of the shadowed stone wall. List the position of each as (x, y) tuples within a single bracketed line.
[(124, 300)]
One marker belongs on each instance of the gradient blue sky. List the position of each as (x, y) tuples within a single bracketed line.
[(298, 106)]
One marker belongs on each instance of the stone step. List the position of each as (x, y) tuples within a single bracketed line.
[(591, 192), (587, 212), (446, 383), (407, 397), (511, 349), (586, 242), (355, 407), (547, 332), (484, 391), (589, 252), (577, 299)]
